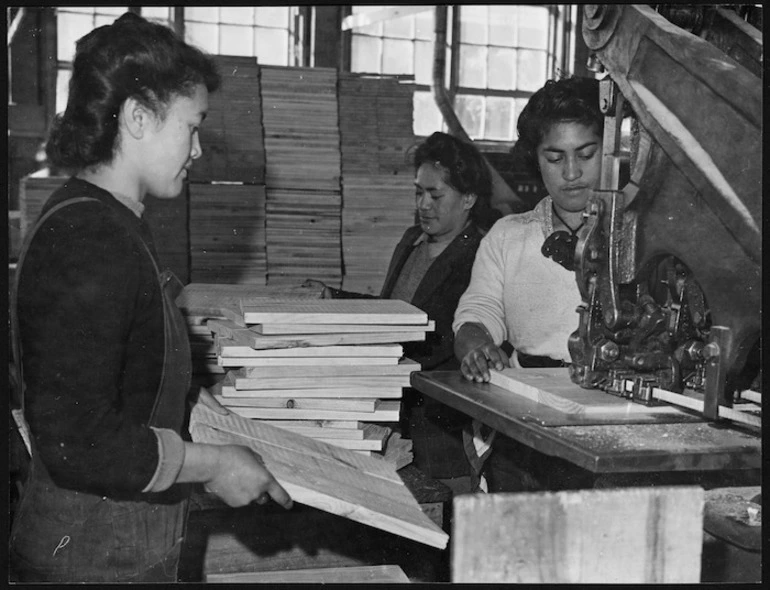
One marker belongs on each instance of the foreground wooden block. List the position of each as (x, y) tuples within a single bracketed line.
[(628, 536), (374, 574)]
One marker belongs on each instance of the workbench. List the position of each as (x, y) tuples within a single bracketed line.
[(681, 443)]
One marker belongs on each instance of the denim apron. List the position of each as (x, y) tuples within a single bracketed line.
[(62, 535)]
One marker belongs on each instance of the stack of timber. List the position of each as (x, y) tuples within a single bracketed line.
[(33, 193), (167, 219), (302, 174), (377, 177), (227, 192), (363, 489), (200, 302), (320, 368)]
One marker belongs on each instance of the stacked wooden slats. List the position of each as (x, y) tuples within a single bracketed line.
[(377, 178), (33, 193), (167, 219), (227, 193), (325, 382), (302, 174)]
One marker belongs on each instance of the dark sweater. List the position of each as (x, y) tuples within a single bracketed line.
[(91, 324)]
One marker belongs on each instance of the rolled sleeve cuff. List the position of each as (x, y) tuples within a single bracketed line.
[(170, 460)]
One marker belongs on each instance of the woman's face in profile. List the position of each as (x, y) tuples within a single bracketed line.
[(570, 157), (443, 211)]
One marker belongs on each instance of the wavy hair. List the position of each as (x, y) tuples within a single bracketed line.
[(131, 58), (568, 100)]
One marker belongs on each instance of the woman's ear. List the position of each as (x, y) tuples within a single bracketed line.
[(134, 117), (469, 200)]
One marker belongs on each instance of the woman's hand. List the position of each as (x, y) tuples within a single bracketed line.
[(475, 364), (240, 477), (477, 351), (326, 292)]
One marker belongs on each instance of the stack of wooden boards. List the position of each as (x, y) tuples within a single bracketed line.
[(319, 367), (363, 489), (377, 177), (304, 200)]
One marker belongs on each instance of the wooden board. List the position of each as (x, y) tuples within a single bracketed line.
[(385, 411), (243, 382), (348, 404), (274, 329), (259, 342), (365, 489), (648, 535), (201, 299), (364, 352), (365, 574), (326, 392), (553, 387), (405, 366), (335, 311), (255, 361)]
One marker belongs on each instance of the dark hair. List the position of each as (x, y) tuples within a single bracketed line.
[(574, 100), (131, 58), (466, 169)]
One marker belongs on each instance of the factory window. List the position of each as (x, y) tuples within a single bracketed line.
[(267, 32), (500, 56)]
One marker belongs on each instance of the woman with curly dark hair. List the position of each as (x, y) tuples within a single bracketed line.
[(103, 348), (430, 268), (523, 289)]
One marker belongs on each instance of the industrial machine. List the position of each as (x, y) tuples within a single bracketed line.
[(669, 260)]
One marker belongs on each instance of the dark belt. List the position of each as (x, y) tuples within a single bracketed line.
[(529, 361)]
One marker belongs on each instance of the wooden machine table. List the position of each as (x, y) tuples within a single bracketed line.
[(679, 441)]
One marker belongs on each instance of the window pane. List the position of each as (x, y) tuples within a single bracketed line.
[(62, 89), (502, 25), (470, 111), (83, 9), (397, 57), (235, 40), (206, 14), (365, 54), (423, 62), (272, 46), (427, 117), (401, 27), (473, 66), (70, 28), (423, 24), (473, 24), (103, 19), (531, 70), (502, 68), (374, 29), (157, 12), (519, 103), (236, 15), (203, 35), (272, 16), (114, 11), (533, 27), (498, 123)]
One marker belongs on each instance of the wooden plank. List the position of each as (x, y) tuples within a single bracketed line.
[(751, 396), (336, 311), (349, 404), (321, 392), (385, 411), (254, 361), (367, 574), (553, 387), (282, 329), (648, 535), (697, 404), (307, 428), (363, 352), (336, 424), (405, 366), (364, 489), (244, 383)]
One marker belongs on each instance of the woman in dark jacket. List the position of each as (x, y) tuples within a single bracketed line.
[(431, 268)]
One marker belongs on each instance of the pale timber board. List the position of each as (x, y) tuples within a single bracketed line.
[(252, 361), (207, 299), (283, 329), (404, 367), (335, 311), (349, 404), (336, 480), (386, 411), (325, 392), (553, 388), (323, 382), (341, 424), (651, 535), (365, 574), (363, 351), (318, 431)]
